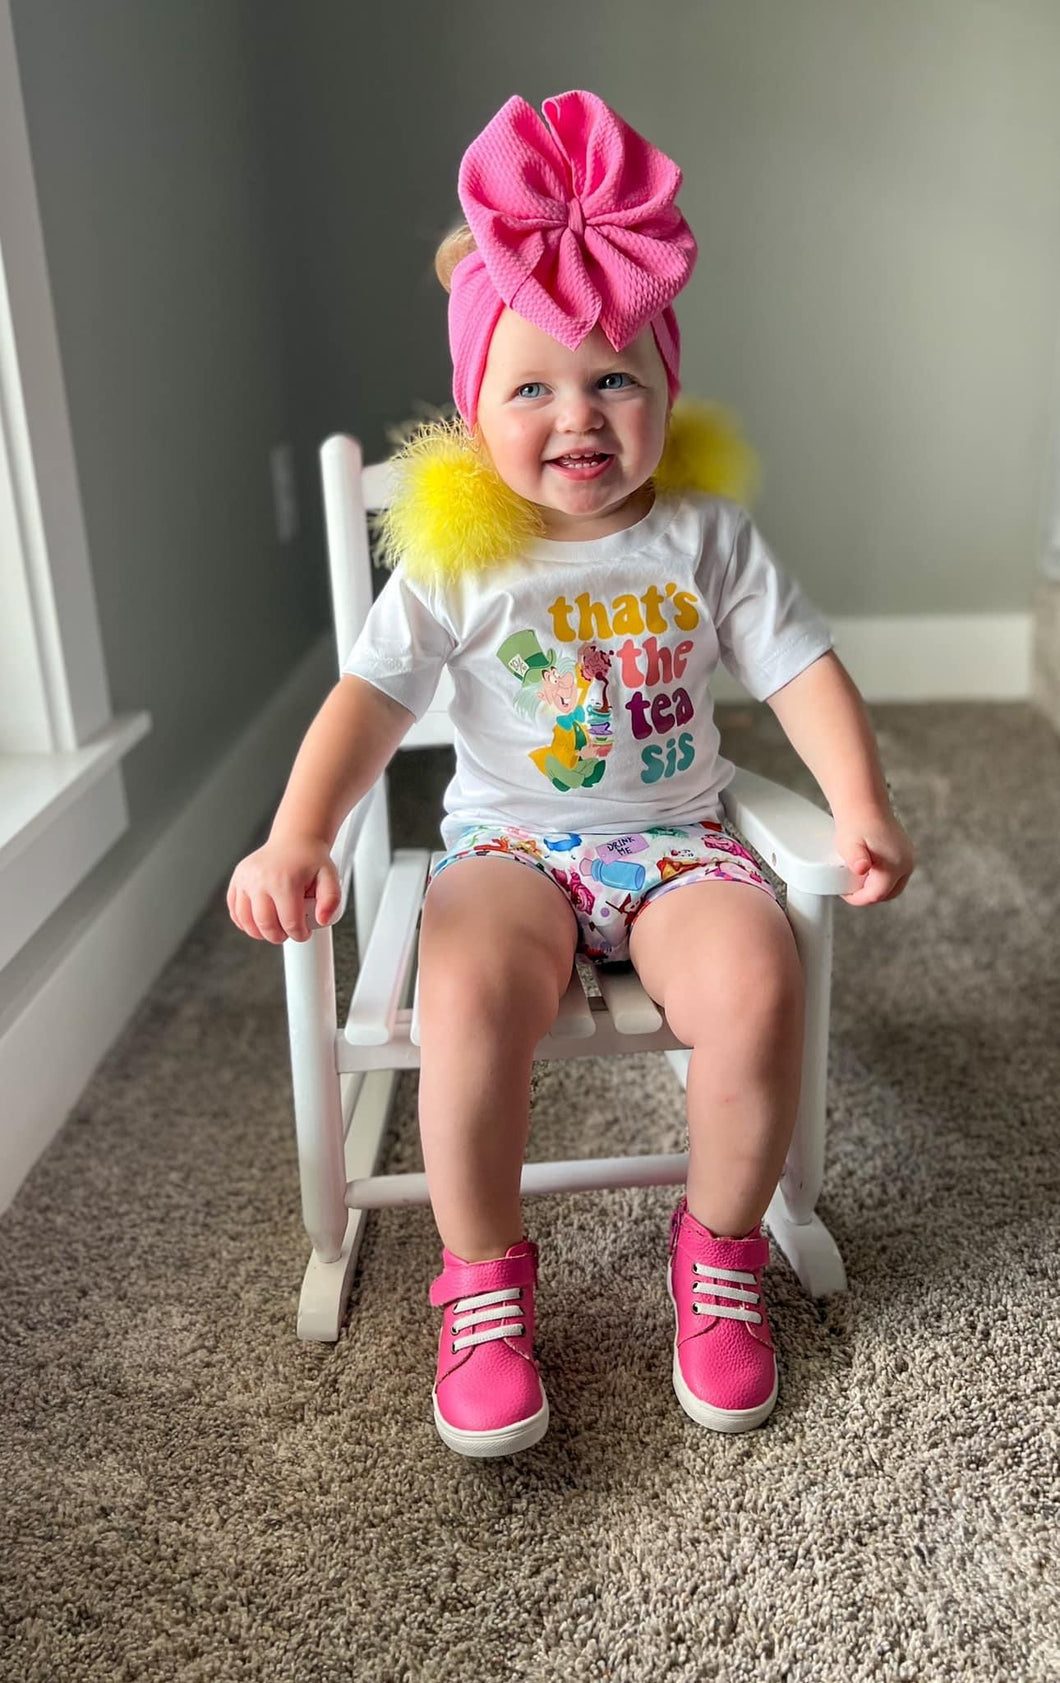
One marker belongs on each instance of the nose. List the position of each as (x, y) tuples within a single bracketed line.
[(579, 412)]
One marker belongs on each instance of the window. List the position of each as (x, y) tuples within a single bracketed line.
[(62, 802)]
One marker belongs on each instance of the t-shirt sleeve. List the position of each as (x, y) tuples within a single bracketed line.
[(402, 645), (768, 629)]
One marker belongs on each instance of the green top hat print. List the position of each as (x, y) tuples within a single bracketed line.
[(521, 653)]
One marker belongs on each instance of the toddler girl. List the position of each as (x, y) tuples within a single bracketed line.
[(581, 648)]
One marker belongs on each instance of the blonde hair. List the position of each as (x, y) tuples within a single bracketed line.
[(457, 244)]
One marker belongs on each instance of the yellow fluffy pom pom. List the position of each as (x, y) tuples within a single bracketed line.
[(452, 515), (707, 452)]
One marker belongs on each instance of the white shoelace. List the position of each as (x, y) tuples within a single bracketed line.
[(487, 1306), (711, 1287)]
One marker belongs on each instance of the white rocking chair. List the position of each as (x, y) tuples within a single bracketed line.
[(344, 1077)]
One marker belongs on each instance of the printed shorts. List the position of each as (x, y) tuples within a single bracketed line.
[(610, 879)]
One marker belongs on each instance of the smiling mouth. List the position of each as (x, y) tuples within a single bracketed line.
[(581, 458)]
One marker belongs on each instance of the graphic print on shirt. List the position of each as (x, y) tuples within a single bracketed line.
[(574, 693), (575, 689)]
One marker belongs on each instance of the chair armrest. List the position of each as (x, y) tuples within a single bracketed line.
[(342, 850), (793, 836)]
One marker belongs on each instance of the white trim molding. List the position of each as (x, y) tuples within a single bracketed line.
[(1049, 562), (123, 941), (59, 744), (59, 814), (926, 657), (48, 523)]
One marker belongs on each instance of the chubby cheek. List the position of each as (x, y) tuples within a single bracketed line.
[(649, 436), (522, 446)]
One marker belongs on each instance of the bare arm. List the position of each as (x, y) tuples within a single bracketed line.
[(344, 751), (349, 744), (825, 720)]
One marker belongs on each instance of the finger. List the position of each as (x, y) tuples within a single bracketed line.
[(245, 917), (264, 910), (232, 902), (291, 910), (891, 882), (866, 879), (867, 894), (328, 894), (874, 891), (899, 885), (311, 909)]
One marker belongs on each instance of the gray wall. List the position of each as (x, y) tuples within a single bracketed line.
[(145, 127), (241, 201)]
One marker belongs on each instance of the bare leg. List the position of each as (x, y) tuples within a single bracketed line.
[(721, 960), (496, 948)]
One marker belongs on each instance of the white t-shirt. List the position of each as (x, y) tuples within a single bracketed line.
[(581, 671)]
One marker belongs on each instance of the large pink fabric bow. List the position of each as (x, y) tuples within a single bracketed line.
[(575, 225)]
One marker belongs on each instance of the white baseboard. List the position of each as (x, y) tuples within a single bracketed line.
[(938, 657), (55, 1034), (927, 657), (130, 935)]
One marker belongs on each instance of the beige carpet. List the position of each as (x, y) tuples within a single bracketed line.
[(188, 1492)]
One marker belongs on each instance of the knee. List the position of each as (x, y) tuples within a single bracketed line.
[(510, 996), (753, 1005)]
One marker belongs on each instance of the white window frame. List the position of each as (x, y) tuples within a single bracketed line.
[(62, 798)]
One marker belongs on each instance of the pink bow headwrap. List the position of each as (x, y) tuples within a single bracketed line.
[(574, 225)]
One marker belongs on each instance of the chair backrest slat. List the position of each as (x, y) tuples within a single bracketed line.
[(345, 522), (351, 491)]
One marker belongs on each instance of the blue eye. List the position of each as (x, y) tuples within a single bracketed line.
[(531, 385)]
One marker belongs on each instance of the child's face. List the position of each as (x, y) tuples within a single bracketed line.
[(539, 400)]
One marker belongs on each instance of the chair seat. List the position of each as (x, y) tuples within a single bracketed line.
[(382, 1030)]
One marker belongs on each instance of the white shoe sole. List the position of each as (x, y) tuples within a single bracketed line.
[(507, 1440), (703, 1413)]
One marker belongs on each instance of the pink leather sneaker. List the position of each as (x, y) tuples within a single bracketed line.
[(488, 1396), (725, 1367)]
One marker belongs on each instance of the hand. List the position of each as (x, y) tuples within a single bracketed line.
[(268, 891), (877, 849)]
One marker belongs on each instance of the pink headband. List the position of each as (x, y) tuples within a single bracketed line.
[(574, 225)]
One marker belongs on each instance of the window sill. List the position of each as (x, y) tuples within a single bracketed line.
[(59, 814)]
